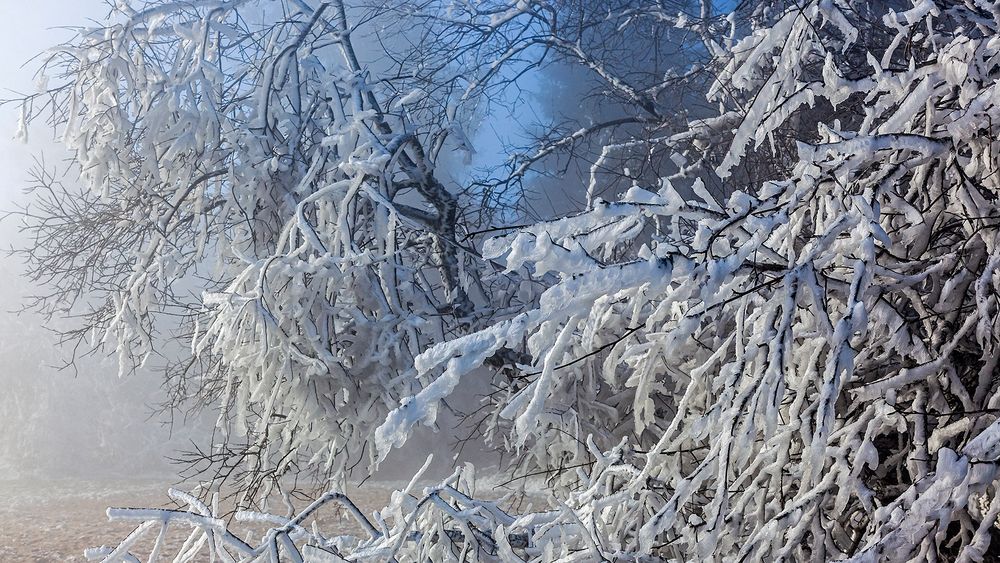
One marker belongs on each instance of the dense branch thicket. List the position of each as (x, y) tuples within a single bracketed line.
[(250, 187), (795, 359)]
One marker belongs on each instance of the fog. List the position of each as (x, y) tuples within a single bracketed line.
[(83, 422)]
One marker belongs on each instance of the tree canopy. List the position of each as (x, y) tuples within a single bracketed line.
[(782, 345)]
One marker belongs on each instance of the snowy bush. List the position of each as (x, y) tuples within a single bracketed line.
[(801, 369), (437, 523)]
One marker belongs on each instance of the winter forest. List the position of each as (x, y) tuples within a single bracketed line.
[(598, 280)]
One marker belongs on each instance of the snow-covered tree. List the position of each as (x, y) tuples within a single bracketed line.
[(804, 369), (250, 188)]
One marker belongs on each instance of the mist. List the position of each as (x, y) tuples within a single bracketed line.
[(63, 420)]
